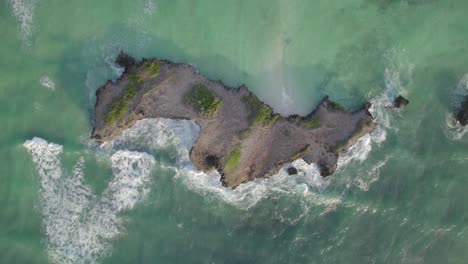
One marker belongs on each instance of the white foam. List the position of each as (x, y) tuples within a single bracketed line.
[(23, 10), (46, 82), (151, 7), (398, 77), (453, 130), (109, 58), (78, 224), (363, 181)]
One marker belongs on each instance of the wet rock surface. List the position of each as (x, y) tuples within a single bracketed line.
[(400, 101)]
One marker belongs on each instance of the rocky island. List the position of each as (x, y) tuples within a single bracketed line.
[(240, 136)]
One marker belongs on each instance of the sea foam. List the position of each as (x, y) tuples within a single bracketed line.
[(78, 224), (23, 10)]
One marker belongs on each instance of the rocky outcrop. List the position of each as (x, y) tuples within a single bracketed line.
[(125, 61), (400, 101), (240, 136), (292, 171), (462, 115)]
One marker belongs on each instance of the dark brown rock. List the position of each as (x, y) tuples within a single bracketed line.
[(292, 171), (125, 61), (400, 101)]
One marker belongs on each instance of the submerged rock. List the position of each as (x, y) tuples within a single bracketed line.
[(400, 101), (240, 136), (462, 115), (292, 171)]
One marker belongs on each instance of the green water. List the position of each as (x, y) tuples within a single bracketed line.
[(405, 203)]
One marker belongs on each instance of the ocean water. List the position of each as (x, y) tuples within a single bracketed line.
[(399, 195)]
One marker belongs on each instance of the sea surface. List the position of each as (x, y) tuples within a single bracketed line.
[(400, 195)]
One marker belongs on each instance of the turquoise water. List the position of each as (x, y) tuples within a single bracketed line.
[(399, 196)]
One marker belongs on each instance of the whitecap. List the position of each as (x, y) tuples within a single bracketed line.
[(79, 225), (453, 130)]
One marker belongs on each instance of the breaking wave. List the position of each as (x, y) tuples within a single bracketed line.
[(156, 134), (397, 78), (23, 10), (453, 130), (77, 223)]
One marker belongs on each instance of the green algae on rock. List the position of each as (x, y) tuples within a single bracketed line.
[(240, 136)]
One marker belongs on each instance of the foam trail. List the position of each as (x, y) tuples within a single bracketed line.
[(79, 225), (23, 10), (453, 129), (156, 134)]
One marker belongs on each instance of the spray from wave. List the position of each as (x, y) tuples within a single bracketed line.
[(78, 224), (23, 10)]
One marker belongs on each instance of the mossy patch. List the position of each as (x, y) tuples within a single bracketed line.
[(234, 159), (340, 147), (120, 106), (262, 114), (301, 152), (336, 106), (149, 70), (245, 134), (360, 130), (311, 123), (204, 101)]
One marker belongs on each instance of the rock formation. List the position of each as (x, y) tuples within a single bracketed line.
[(240, 136), (400, 101)]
